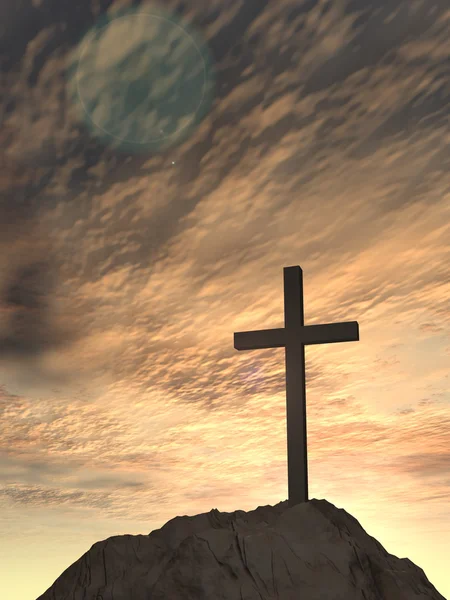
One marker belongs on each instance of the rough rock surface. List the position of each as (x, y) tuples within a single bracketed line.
[(312, 551)]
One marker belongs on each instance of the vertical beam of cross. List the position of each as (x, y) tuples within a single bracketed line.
[(295, 386), (293, 337)]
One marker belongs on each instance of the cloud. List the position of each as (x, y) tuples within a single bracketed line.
[(123, 278)]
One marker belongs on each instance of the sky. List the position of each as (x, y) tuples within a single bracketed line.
[(159, 167)]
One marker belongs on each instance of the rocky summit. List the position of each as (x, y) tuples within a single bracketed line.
[(311, 551)]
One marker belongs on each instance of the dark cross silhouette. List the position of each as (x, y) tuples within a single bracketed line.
[(294, 337)]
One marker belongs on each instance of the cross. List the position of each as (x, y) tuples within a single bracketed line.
[(293, 337)]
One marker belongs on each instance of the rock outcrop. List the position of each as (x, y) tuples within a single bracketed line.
[(311, 551)]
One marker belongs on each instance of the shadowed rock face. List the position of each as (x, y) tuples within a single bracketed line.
[(312, 551)]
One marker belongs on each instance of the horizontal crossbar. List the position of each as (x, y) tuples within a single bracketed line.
[(308, 335)]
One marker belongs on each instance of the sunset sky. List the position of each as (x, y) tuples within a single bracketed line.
[(321, 139)]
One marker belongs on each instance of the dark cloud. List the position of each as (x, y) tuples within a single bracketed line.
[(427, 465), (26, 300), (379, 30)]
